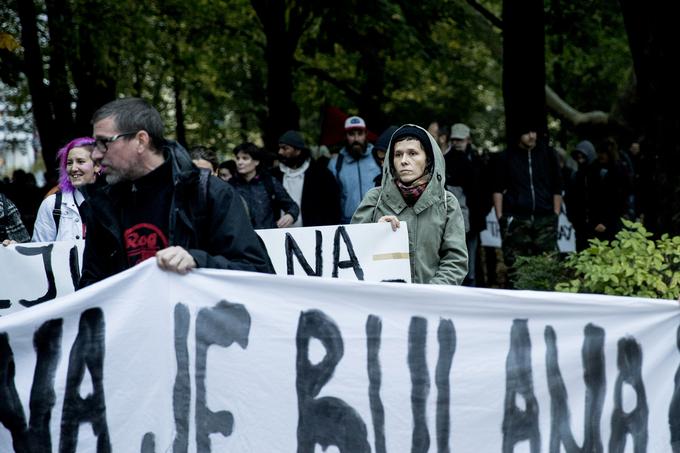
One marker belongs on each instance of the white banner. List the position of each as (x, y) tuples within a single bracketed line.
[(566, 238), (149, 361), (36, 272)]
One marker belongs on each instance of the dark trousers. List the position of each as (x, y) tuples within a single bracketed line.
[(528, 236)]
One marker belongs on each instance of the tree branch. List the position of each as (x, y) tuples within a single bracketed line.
[(488, 15), (573, 116), (343, 86)]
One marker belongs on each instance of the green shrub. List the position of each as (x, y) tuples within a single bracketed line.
[(540, 272), (631, 265)]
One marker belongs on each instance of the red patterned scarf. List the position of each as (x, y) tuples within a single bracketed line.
[(412, 193)]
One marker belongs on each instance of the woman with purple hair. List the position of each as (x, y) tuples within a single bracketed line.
[(59, 217)]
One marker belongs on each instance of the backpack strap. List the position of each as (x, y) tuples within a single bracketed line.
[(338, 164), (56, 212), (338, 167)]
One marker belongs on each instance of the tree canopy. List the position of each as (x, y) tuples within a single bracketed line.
[(225, 71)]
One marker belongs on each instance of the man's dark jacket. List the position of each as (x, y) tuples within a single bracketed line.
[(528, 180), (220, 237), (320, 204)]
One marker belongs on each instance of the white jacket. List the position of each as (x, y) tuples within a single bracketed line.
[(70, 223)]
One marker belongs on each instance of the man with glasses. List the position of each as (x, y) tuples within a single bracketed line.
[(158, 204)]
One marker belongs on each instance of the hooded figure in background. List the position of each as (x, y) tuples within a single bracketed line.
[(413, 191), (576, 192)]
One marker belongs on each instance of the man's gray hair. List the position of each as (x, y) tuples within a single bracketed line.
[(132, 115)]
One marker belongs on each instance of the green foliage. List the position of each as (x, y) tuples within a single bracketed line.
[(631, 265), (392, 61), (541, 272), (587, 57)]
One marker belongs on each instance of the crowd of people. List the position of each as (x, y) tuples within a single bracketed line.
[(133, 195)]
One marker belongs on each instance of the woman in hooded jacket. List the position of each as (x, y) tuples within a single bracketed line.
[(60, 216), (413, 191)]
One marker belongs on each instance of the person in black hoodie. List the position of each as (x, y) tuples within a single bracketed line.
[(527, 197), (608, 187), (158, 204), (576, 193)]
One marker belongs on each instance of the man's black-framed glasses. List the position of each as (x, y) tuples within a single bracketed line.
[(102, 143)]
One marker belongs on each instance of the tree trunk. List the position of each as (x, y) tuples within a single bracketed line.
[(59, 89), (94, 70), (282, 37), (284, 114), (40, 99), (372, 100), (523, 68), (653, 44)]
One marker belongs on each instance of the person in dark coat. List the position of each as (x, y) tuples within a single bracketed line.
[(464, 169), (268, 203), (608, 188), (576, 194), (158, 204), (311, 185)]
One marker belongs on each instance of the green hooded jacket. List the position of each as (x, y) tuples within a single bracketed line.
[(436, 231)]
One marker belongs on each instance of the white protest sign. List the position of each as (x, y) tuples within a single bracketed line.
[(566, 239), (36, 272), (370, 251), (491, 235), (150, 361)]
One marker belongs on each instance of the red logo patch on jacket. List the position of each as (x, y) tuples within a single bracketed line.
[(142, 241)]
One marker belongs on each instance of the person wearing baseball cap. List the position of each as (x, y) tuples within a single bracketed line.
[(354, 167), (311, 185), (460, 131), (355, 122), (465, 169)]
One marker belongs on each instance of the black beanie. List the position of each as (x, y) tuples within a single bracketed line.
[(294, 139), (414, 131), (422, 136)]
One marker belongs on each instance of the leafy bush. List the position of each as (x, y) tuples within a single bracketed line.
[(631, 265), (540, 272)]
